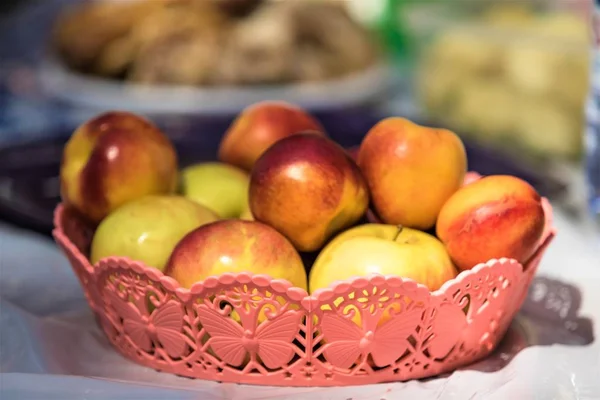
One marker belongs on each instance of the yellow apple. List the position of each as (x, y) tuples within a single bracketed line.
[(386, 250), (221, 187), (247, 214), (148, 229)]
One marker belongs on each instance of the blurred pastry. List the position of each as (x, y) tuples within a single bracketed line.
[(260, 48), (184, 58), (327, 29), (82, 33), (213, 42)]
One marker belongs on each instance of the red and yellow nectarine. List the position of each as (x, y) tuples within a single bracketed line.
[(496, 216), (114, 158), (308, 188), (411, 170), (259, 126)]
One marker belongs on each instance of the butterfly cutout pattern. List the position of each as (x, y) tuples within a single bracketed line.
[(162, 327), (448, 326), (271, 340), (346, 341)]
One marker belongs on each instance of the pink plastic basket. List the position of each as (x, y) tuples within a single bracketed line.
[(253, 329)]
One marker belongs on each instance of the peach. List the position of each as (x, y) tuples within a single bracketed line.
[(259, 126), (411, 170), (494, 217), (235, 245), (114, 158), (308, 188)]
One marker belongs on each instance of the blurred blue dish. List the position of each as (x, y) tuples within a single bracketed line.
[(358, 89)]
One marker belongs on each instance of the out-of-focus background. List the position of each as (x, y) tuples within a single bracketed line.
[(518, 80), (510, 76)]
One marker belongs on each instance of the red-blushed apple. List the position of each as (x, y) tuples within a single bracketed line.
[(308, 188), (496, 216), (411, 170), (235, 245), (259, 126), (114, 158)]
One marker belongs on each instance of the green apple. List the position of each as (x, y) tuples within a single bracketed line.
[(148, 229), (386, 250), (221, 187)]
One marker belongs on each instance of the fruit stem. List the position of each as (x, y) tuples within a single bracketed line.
[(400, 228)]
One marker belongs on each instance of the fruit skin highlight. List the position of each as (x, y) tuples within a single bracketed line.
[(411, 170), (114, 158), (308, 188), (496, 216)]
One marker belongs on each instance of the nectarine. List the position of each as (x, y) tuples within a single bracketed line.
[(114, 158), (259, 126), (411, 170), (308, 188), (494, 217)]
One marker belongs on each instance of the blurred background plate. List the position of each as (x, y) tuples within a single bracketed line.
[(211, 57), (83, 91)]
